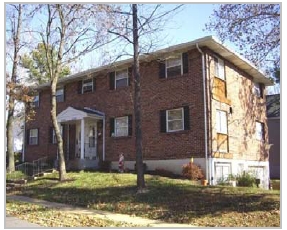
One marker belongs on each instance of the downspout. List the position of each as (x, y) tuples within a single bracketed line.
[(104, 136), (24, 136), (205, 115)]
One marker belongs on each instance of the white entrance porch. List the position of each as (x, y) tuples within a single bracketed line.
[(81, 141)]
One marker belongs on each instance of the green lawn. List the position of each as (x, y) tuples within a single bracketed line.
[(170, 200)]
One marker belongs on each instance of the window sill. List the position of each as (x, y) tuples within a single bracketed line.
[(174, 77), (176, 132)]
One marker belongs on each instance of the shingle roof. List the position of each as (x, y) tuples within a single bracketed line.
[(273, 105)]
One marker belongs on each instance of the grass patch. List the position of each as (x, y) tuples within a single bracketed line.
[(52, 218), (170, 200), (15, 175)]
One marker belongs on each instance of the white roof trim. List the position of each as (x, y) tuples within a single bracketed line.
[(208, 41), (72, 114)]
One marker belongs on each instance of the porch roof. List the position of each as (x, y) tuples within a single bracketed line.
[(72, 114)]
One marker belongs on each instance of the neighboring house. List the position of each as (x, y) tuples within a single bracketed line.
[(273, 121), (200, 100)]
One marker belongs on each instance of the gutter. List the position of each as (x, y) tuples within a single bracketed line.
[(207, 173)]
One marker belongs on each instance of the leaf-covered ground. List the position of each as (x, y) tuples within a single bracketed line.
[(169, 200), (53, 218)]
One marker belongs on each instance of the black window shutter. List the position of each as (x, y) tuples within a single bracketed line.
[(112, 80), (130, 74), (51, 135), (80, 87), (27, 136), (112, 126), (186, 118), (185, 62), (94, 82), (162, 115), (130, 121), (162, 69)]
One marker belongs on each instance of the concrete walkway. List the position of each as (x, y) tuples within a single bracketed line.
[(14, 222), (99, 214)]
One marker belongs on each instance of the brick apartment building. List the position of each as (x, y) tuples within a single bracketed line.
[(200, 100)]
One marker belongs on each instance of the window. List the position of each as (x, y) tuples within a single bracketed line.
[(174, 66), (257, 90), (121, 78), (175, 120), (259, 131), (219, 68), (33, 136), (60, 95), (221, 121), (54, 138), (92, 137), (35, 102), (121, 126), (87, 86)]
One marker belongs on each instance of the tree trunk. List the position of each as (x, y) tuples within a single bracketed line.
[(11, 106), (137, 104), (61, 160)]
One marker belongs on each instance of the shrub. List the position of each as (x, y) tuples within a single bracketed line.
[(192, 171), (246, 180)]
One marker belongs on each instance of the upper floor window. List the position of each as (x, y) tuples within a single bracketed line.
[(32, 137), (87, 85), (257, 89), (259, 131), (174, 119), (174, 66), (221, 122), (121, 78), (60, 95), (35, 102), (219, 68)]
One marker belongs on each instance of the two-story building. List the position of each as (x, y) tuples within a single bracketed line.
[(200, 100)]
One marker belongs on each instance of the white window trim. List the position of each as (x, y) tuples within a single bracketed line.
[(220, 124), (57, 94), (83, 84), (115, 125), (217, 65), (119, 78), (54, 138), (30, 136), (261, 131), (181, 65), (36, 101), (167, 120)]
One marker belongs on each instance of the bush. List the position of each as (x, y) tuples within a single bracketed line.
[(246, 180), (192, 171)]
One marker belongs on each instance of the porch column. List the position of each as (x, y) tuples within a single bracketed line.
[(82, 138)]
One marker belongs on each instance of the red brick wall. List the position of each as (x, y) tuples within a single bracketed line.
[(157, 94)]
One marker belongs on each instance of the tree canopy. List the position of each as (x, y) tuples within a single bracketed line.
[(254, 28), (37, 64)]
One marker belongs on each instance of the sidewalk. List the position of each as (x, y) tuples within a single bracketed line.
[(99, 214), (14, 222)]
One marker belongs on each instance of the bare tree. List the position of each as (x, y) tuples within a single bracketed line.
[(15, 24), (140, 30), (254, 28), (70, 30)]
